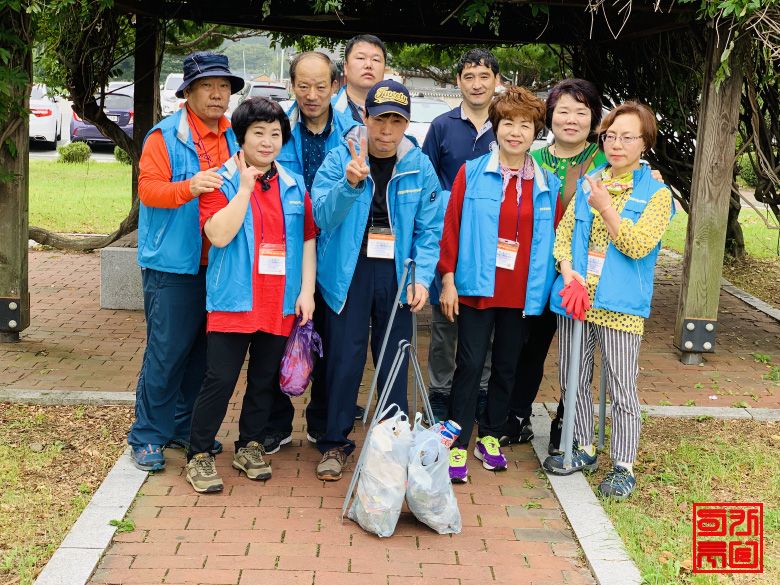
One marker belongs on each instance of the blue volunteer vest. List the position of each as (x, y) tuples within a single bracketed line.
[(169, 239), (230, 271), (626, 284), (475, 274)]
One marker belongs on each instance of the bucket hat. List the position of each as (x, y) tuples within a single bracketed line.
[(206, 64)]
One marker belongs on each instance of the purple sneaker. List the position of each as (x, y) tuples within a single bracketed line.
[(459, 473), (489, 452)]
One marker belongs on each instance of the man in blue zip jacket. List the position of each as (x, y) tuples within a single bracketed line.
[(376, 205), (178, 164), (364, 66), (316, 128)]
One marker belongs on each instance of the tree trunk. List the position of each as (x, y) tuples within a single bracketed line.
[(14, 185), (735, 239)]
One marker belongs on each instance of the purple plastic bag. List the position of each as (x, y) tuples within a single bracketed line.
[(298, 358)]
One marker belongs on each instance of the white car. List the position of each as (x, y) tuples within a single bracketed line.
[(424, 110), (169, 103), (45, 118)]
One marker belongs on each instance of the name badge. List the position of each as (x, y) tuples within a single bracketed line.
[(381, 243), (506, 254), (270, 259), (595, 262)]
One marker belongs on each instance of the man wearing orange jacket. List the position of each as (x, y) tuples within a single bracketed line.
[(178, 164)]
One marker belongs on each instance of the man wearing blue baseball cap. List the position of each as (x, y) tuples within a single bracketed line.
[(376, 203), (178, 163)]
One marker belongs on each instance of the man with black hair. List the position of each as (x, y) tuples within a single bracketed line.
[(458, 136), (316, 128), (364, 67), (375, 200)]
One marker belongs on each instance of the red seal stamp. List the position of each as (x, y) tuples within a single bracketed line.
[(728, 537)]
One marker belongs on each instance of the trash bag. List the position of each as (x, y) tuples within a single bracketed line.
[(298, 358), (429, 492), (382, 483)]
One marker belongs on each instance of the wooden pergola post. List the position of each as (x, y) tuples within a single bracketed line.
[(14, 198), (697, 311), (148, 52)]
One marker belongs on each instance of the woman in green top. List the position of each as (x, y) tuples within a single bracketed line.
[(573, 114)]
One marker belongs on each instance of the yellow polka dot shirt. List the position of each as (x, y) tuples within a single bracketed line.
[(635, 240)]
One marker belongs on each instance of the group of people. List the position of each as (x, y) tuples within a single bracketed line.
[(249, 225)]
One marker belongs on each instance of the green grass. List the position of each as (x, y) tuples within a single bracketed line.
[(91, 198), (682, 462), (760, 241)]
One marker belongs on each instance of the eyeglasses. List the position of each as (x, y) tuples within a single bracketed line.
[(609, 138)]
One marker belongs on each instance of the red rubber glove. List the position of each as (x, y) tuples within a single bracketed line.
[(576, 300)]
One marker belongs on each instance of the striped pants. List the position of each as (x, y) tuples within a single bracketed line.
[(620, 363)]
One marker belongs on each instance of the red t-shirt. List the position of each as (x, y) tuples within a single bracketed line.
[(267, 289), (510, 285)]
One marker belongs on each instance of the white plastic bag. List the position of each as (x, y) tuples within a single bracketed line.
[(429, 492), (382, 483)]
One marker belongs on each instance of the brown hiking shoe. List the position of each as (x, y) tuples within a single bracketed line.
[(331, 464), (249, 459), (202, 474)]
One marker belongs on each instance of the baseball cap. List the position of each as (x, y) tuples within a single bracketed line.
[(388, 96)]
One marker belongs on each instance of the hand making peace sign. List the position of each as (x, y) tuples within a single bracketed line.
[(357, 169)]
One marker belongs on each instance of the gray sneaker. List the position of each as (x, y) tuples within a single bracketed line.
[(331, 464), (249, 459), (202, 474)]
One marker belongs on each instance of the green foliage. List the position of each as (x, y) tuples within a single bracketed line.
[(122, 156), (761, 358), (531, 65), (746, 171), (74, 153), (126, 525)]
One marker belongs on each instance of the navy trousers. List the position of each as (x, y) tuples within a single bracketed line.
[(345, 339), (175, 357)]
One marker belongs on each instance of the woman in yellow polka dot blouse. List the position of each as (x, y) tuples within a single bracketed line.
[(608, 240)]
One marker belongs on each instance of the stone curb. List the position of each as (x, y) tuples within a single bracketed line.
[(79, 553), (734, 291), (55, 397), (761, 414), (604, 549)]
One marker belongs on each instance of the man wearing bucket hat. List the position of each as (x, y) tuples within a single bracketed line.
[(375, 200), (178, 164)]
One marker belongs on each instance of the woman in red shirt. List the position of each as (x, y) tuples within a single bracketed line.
[(499, 221), (261, 274)]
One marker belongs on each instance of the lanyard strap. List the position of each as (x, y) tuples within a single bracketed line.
[(265, 181), (199, 144)]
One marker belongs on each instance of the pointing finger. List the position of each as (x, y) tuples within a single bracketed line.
[(352, 149)]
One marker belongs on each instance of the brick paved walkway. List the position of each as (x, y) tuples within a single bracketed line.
[(287, 530), (74, 345)]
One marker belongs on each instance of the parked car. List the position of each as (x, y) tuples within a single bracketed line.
[(424, 110), (124, 87), (169, 103), (45, 118), (118, 108), (273, 91)]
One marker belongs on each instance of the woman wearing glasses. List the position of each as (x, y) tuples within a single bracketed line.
[(608, 240)]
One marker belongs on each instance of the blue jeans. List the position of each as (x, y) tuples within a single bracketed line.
[(175, 358)]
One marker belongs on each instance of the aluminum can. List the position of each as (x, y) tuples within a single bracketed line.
[(448, 431)]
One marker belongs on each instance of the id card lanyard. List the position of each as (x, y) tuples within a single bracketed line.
[(270, 257), (506, 253), (200, 145)]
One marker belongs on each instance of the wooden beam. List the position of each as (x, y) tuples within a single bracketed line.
[(148, 59), (697, 311), (14, 196)]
